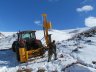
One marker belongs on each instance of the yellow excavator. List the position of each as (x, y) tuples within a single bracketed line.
[(27, 46)]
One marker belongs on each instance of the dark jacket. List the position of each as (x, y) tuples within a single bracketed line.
[(52, 47)]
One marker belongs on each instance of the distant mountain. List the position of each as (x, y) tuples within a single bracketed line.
[(2, 35), (89, 32)]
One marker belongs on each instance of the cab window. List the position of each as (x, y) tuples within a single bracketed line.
[(24, 36), (33, 35)]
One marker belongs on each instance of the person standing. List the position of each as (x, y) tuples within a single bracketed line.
[(52, 50)]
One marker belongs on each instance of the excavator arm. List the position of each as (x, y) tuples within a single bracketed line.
[(46, 26)]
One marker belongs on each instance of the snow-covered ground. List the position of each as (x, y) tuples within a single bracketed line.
[(74, 55), (8, 33)]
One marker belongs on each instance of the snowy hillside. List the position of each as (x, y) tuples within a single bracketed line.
[(75, 49), (2, 35), (6, 42), (8, 33)]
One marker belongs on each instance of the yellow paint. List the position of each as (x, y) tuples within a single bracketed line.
[(22, 53)]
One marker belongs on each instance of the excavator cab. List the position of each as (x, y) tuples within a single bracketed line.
[(29, 38), (27, 35)]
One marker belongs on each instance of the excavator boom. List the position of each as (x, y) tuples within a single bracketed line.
[(46, 26)]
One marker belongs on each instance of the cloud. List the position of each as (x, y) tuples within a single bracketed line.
[(90, 21), (38, 23), (85, 8)]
